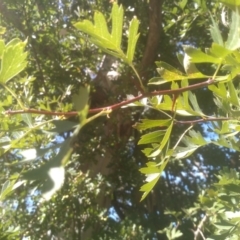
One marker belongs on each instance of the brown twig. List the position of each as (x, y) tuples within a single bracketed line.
[(199, 227), (117, 105)]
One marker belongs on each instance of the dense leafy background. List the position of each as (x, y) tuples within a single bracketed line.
[(100, 197)]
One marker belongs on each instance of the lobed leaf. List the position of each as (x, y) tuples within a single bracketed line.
[(147, 123), (13, 60), (132, 38), (111, 43), (226, 91), (153, 173), (233, 41), (117, 24), (215, 32), (100, 27), (219, 51), (189, 66), (163, 143), (197, 56), (153, 137), (169, 73), (184, 152), (99, 35), (191, 142)]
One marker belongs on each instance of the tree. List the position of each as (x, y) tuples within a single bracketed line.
[(71, 165)]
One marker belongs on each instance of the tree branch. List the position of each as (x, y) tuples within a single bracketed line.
[(154, 32), (117, 105), (199, 231)]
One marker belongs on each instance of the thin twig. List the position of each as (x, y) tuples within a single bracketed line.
[(199, 231), (117, 105)]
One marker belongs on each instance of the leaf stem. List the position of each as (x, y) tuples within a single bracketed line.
[(138, 77), (181, 137), (14, 95), (217, 70)]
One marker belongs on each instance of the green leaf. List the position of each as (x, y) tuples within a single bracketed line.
[(219, 51), (132, 39), (236, 55), (101, 25), (166, 104), (111, 43), (197, 56), (5, 142), (27, 118), (233, 41), (233, 96), (9, 186), (182, 106), (219, 90), (107, 46), (169, 73), (230, 62), (234, 216), (182, 4), (13, 60), (228, 142), (61, 126), (225, 91), (80, 100), (180, 57), (100, 35), (215, 32), (232, 3), (153, 137), (147, 123), (117, 24), (222, 127), (53, 182), (6, 189), (194, 102), (2, 30), (87, 27), (152, 167), (51, 174), (2, 47), (147, 151), (164, 141), (233, 188), (147, 187), (153, 173), (34, 153), (192, 143), (189, 67), (184, 152), (224, 225)]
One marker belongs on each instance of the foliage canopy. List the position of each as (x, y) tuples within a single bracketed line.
[(72, 165)]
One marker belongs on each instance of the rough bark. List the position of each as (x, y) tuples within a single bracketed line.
[(154, 35)]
